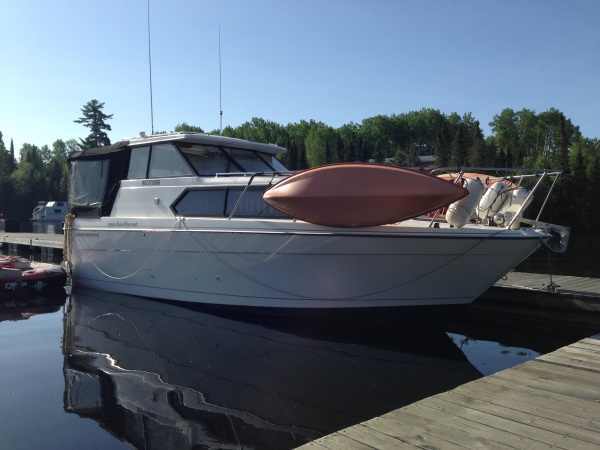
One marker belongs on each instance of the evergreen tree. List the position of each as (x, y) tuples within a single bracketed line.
[(94, 119), (441, 146), (339, 148), (328, 157), (302, 159), (562, 151), (593, 193), (292, 161), (459, 148), (477, 154)]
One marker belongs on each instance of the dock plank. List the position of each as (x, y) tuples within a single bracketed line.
[(522, 397), (342, 441), (531, 416), (408, 433), (550, 402), (427, 420), (567, 360), (533, 428), (373, 438), (536, 282)]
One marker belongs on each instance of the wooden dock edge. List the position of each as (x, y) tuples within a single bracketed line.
[(29, 240), (551, 401)]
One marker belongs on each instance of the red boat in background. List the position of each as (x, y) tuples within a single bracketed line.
[(19, 275)]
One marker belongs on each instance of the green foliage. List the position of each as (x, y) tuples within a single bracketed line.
[(94, 119), (519, 138), (190, 128)]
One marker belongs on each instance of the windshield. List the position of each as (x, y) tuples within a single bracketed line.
[(209, 160)]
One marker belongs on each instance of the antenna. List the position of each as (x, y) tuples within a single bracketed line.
[(150, 67), (220, 97)]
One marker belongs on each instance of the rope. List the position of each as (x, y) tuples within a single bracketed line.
[(178, 221), (67, 247), (338, 298)]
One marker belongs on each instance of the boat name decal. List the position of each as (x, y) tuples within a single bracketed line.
[(150, 182), (122, 224), (80, 234)]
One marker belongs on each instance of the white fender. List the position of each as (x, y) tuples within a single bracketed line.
[(492, 200), (460, 211), (513, 203)]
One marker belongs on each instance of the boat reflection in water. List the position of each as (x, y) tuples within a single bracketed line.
[(22, 307), (158, 375)]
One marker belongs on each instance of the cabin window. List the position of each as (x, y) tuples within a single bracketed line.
[(207, 160), (165, 161), (252, 204), (275, 163), (249, 160), (138, 162), (88, 182), (205, 202), (220, 202)]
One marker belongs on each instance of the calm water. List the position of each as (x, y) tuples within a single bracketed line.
[(106, 371), (99, 370)]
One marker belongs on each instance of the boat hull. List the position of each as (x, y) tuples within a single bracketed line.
[(284, 264)]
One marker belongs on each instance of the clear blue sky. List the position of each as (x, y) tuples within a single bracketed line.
[(335, 61)]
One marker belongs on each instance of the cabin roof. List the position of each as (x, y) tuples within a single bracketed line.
[(196, 138)]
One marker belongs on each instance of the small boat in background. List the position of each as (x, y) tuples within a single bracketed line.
[(19, 275), (50, 211)]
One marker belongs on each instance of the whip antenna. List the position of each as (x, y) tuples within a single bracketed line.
[(220, 97), (150, 67)]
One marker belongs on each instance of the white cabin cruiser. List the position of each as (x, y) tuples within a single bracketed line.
[(181, 217)]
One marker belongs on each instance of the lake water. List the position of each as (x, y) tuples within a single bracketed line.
[(107, 371)]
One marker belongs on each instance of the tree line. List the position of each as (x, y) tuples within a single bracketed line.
[(519, 139)]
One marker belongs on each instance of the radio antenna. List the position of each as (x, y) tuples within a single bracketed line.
[(220, 97), (150, 67)]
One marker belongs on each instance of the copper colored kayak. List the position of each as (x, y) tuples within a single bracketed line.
[(360, 194)]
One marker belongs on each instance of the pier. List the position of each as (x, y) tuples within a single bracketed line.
[(552, 401), (48, 245)]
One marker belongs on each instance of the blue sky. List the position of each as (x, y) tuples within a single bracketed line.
[(335, 61)]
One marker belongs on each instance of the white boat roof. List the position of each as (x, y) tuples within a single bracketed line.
[(203, 138)]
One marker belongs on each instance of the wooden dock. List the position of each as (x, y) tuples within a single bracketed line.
[(48, 245), (565, 285), (33, 240), (550, 402)]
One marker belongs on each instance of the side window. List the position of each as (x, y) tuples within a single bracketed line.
[(251, 205), (165, 161), (221, 201), (205, 202), (138, 163)]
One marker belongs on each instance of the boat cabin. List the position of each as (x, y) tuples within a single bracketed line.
[(194, 174), (53, 211)]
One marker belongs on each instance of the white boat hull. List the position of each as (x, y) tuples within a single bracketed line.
[(285, 264)]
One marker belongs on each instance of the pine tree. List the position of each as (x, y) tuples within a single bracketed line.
[(478, 156), (94, 119)]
